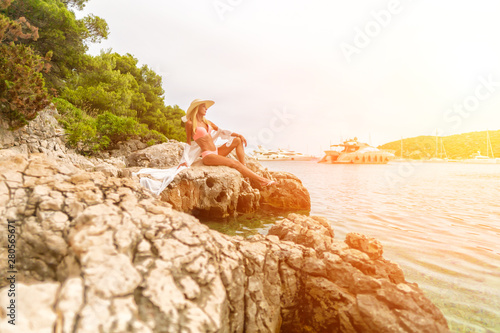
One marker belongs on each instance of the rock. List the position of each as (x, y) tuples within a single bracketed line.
[(219, 192), (124, 261), (368, 245), (163, 155), (107, 169), (207, 191), (42, 135), (34, 308), (357, 292), (289, 194), (95, 252)]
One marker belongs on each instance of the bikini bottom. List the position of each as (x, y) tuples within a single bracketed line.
[(208, 152)]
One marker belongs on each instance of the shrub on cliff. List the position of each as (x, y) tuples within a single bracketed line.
[(60, 33), (119, 128), (88, 134), (22, 87), (116, 83)]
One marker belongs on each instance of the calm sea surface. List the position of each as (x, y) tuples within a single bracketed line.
[(439, 221)]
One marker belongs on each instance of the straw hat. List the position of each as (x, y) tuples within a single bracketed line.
[(194, 104)]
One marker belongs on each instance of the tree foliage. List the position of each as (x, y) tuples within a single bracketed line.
[(60, 33), (105, 98), (459, 146), (79, 4), (115, 83), (88, 134), (22, 87)]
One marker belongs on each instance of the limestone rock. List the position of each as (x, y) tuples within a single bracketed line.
[(163, 155), (34, 308), (123, 261), (349, 290), (289, 194), (368, 245), (96, 252), (219, 192), (208, 191)]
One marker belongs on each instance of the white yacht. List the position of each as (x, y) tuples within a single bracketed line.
[(354, 152), (481, 159), (262, 154), (295, 156)]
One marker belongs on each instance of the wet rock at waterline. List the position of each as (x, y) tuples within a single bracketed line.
[(218, 192)]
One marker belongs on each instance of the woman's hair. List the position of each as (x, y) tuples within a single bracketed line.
[(195, 121)]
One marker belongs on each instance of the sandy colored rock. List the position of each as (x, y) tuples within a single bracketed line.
[(368, 245), (98, 253)]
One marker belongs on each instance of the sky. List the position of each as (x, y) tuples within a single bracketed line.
[(306, 74)]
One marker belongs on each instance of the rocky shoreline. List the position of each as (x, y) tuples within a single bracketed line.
[(95, 252)]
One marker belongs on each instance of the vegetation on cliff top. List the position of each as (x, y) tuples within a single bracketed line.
[(102, 99), (458, 146)]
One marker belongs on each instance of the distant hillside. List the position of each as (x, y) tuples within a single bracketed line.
[(459, 146)]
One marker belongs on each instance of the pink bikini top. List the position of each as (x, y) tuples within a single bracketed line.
[(201, 132)]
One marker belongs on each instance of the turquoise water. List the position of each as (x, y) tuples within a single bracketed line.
[(439, 221)]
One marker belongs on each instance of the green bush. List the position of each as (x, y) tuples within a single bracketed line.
[(69, 113), (83, 135), (22, 87), (117, 128), (88, 134)]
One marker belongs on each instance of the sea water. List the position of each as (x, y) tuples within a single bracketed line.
[(439, 221)]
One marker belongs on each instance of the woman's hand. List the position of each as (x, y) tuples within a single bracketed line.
[(243, 140)]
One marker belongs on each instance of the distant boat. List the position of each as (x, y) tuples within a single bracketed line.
[(262, 154), (440, 153), (481, 159), (354, 152), (401, 159), (295, 156)]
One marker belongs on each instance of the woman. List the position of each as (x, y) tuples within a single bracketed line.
[(201, 135), (199, 130)]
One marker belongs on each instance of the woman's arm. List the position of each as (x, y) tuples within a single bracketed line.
[(215, 127), (242, 138)]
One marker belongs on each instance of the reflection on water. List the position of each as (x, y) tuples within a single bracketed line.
[(245, 225), (439, 222)]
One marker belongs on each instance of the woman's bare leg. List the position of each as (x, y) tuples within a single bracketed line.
[(236, 144), (214, 159)]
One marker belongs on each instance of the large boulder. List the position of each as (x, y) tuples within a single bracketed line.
[(164, 155), (211, 191), (96, 253), (220, 191)]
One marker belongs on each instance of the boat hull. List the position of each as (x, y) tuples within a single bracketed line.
[(357, 158), (485, 161), (273, 159)]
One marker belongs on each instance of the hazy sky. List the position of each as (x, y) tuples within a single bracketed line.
[(300, 74)]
